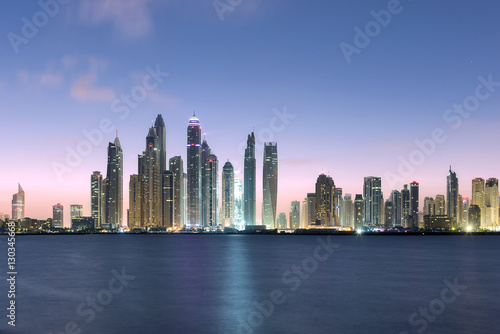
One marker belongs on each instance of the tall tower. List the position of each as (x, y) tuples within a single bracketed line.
[(347, 211), (405, 206), (205, 184), (440, 205), (452, 197), (325, 199), (96, 197), (177, 168), (58, 215), (373, 201), (249, 185), (18, 204), (359, 217), (161, 132), (478, 197), (227, 212), (270, 184), (311, 209), (414, 203), (152, 178), (295, 215), (396, 205), (211, 174), (167, 200), (193, 172), (491, 203), (114, 185), (136, 203), (238, 202)]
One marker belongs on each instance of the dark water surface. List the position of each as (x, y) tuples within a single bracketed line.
[(255, 284)]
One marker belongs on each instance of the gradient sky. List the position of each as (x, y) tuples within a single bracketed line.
[(351, 119)]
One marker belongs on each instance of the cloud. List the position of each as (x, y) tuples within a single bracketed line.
[(84, 89), (131, 18), (47, 79)]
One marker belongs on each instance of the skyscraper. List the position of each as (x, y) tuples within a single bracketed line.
[(397, 209), (405, 206), (452, 197), (211, 207), (359, 220), (478, 197), (193, 172), (161, 132), (311, 208), (177, 168), (281, 221), (270, 184), (325, 199), (491, 203), (389, 214), (440, 205), (167, 200), (239, 220), (474, 217), (429, 206), (58, 215), (337, 206), (18, 204), (227, 211), (295, 215), (414, 203), (347, 211), (114, 185), (249, 183), (372, 201), (135, 211), (96, 197), (75, 211), (149, 169), (205, 186)]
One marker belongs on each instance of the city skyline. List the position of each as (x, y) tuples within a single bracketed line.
[(351, 120)]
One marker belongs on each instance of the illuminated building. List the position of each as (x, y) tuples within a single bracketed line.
[(405, 206), (311, 209), (249, 182), (491, 203), (281, 221), (270, 185), (325, 199), (440, 205), (96, 197), (359, 220), (294, 215), (162, 134), (167, 200), (372, 201), (347, 211), (114, 185), (58, 215), (177, 168), (414, 203), (193, 172), (452, 197), (18, 204), (75, 211), (227, 211), (397, 209)]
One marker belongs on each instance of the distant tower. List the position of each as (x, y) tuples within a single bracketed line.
[(281, 222), (96, 197), (372, 201), (227, 212), (167, 199), (389, 214), (347, 211), (209, 186), (75, 211), (238, 203), (311, 209), (270, 184), (478, 197), (152, 178), (491, 203), (114, 185), (18, 204), (414, 203), (249, 185), (136, 203), (396, 204), (405, 206), (58, 215), (325, 199), (161, 132), (440, 205), (295, 215), (429, 206), (452, 197), (193, 172), (177, 168), (338, 206), (359, 218)]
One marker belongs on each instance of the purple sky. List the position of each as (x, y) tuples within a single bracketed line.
[(353, 116)]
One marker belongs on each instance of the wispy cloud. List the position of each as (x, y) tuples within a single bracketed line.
[(131, 18), (84, 89)]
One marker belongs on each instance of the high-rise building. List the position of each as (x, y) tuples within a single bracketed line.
[(295, 215), (311, 209), (211, 207), (135, 211), (397, 208), (372, 201), (359, 220), (161, 132), (405, 206), (193, 172), (167, 199), (491, 203), (465, 211), (239, 220), (75, 211), (114, 185), (414, 203), (389, 212), (177, 168), (325, 200), (475, 216), (452, 197), (249, 184), (440, 205), (303, 214), (338, 206), (96, 197), (281, 221), (58, 215), (205, 185), (227, 211), (270, 184), (347, 211), (18, 204), (429, 206), (478, 196), (149, 169)]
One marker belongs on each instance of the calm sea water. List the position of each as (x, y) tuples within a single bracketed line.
[(255, 284)]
